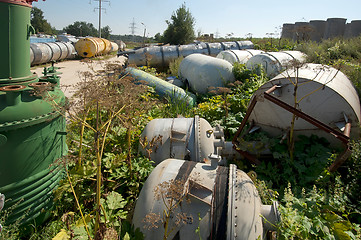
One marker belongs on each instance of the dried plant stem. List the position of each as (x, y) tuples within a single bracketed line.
[(81, 137), (99, 172), (77, 203)]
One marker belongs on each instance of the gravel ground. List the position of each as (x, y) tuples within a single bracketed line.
[(71, 69)]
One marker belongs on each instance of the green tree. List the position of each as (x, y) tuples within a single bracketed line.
[(81, 29), (106, 32), (158, 38), (181, 27), (39, 23)]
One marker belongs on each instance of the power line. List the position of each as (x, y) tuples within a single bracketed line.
[(100, 8)]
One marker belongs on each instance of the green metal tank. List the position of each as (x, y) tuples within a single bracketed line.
[(32, 122)]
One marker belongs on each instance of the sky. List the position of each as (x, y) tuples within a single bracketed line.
[(222, 18)]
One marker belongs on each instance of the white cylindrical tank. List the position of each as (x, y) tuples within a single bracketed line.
[(202, 72), (275, 62), (182, 138), (221, 202), (114, 46), (240, 56), (327, 95)]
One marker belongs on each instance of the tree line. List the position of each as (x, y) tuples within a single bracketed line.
[(180, 28)]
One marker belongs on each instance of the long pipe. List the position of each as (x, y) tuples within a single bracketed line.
[(162, 88)]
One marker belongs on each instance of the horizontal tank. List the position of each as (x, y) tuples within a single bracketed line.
[(91, 46), (180, 197), (191, 139), (46, 52), (240, 56), (323, 92), (114, 47), (161, 56), (275, 62), (203, 72)]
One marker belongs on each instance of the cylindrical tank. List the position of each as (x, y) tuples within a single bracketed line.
[(161, 56), (287, 30), (275, 62), (180, 197), (318, 28), (161, 87), (114, 47), (353, 29), (301, 31), (240, 56), (90, 47), (42, 53), (32, 129), (335, 27), (183, 138), (45, 52), (327, 95), (202, 72), (108, 46)]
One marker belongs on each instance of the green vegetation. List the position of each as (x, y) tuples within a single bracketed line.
[(181, 27), (40, 24), (83, 29), (105, 173)]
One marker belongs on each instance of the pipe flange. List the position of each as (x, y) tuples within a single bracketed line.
[(12, 88)]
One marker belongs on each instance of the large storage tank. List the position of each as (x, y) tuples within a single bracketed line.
[(353, 29), (202, 72), (301, 31), (327, 95), (318, 28), (90, 47), (32, 129), (240, 56), (287, 30), (161, 56), (46, 52), (335, 27), (180, 197), (275, 62), (192, 139)]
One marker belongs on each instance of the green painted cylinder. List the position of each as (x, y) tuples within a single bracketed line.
[(32, 123), (14, 42)]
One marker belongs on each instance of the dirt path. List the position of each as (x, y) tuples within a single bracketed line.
[(71, 71)]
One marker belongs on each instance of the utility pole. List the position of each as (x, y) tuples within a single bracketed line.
[(100, 8)]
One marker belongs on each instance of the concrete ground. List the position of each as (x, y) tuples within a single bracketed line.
[(71, 70)]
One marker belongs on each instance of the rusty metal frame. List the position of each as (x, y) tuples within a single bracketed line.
[(344, 136)]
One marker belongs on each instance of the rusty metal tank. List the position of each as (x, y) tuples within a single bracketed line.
[(221, 202), (90, 47)]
